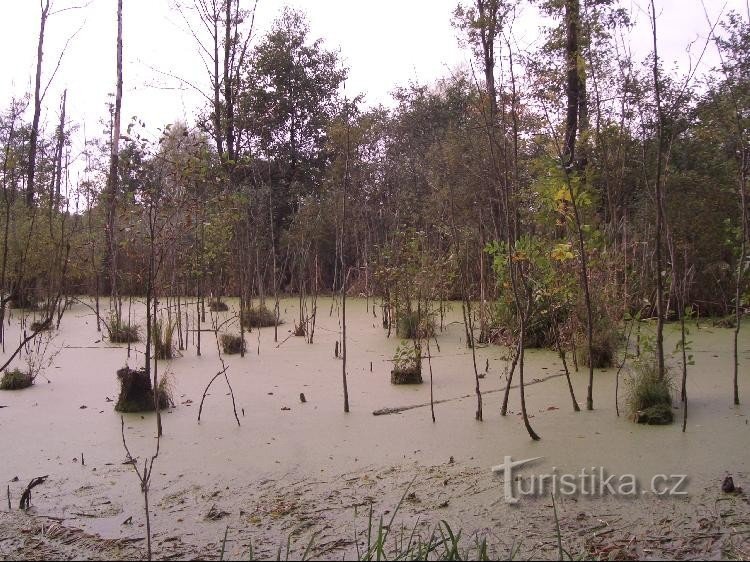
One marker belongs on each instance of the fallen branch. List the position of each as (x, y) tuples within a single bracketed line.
[(25, 502)]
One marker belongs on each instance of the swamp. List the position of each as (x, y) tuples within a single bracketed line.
[(496, 312)]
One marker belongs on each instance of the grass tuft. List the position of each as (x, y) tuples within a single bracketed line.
[(232, 344), (650, 397), (259, 317), (16, 380)]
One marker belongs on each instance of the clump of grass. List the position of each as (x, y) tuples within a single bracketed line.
[(16, 380), (259, 317), (163, 336), (120, 332), (649, 396), (218, 305), (729, 321), (603, 348), (41, 325), (232, 344), (410, 326), (23, 300), (300, 330), (136, 391)]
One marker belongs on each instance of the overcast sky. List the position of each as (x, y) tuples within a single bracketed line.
[(385, 43)]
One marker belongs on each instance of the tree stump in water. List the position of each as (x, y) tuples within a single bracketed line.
[(137, 393), (412, 375)]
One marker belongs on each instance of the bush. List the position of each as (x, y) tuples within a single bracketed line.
[(259, 317), (218, 305), (411, 326), (16, 380), (163, 335), (232, 344), (649, 397), (136, 391), (119, 332)]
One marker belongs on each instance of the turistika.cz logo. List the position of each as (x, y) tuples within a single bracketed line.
[(590, 481)]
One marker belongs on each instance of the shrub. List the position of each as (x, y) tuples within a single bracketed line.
[(163, 335), (259, 317), (16, 380), (411, 326), (119, 332), (650, 397), (218, 305), (136, 391), (232, 344)]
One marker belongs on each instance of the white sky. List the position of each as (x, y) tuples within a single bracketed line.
[(385, 43)]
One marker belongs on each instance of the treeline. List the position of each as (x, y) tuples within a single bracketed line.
[(571, 185)]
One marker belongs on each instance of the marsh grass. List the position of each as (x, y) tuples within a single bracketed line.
[(163, 340), (410, 326), (120, 332), (232, 344), (218, 305), (649, 397), (384, 540)]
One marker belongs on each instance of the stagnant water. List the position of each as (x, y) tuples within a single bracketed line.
[(299, 468)]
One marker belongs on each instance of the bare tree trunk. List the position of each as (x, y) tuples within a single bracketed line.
[(34, 135), (112, 179), (659, 205)]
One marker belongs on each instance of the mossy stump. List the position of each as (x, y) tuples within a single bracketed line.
[(412, 375), (660, 414), (16, 380), (137, 393)]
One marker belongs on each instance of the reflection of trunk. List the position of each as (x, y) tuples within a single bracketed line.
[(561, 353)]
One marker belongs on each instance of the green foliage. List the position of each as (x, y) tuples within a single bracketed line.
[(16, 380)]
